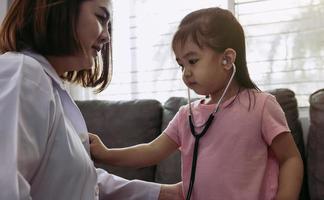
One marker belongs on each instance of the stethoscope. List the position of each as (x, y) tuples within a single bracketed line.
[(197, 136)]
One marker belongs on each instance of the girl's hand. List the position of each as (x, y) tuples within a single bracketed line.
[(171, 192), (97, 149)]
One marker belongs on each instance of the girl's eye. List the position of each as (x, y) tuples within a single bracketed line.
[(193, 61)]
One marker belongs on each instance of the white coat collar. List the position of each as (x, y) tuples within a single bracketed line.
[(72, 112), (48, 68)]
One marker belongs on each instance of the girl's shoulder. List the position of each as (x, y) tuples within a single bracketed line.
[(259, 95), (256, 99), (194, 104)]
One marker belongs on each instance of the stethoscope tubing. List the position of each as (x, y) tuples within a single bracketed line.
[(197, 137)]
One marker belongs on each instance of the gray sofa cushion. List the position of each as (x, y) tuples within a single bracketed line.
[(315, 146), (288, 102), (122, 124), (169, 170)]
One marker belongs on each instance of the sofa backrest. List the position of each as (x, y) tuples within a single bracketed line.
[(288, 102), (122, 124), (169, 170), (315, 146)]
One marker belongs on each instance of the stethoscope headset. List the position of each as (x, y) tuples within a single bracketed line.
[(206, 125)]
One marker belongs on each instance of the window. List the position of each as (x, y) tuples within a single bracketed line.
[(144, 66), (3, 9), (285, 44)]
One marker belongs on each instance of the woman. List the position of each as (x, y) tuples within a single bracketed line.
[(43, 157)]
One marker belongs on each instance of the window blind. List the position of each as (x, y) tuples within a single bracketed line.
[(285, 44), (144, 65)]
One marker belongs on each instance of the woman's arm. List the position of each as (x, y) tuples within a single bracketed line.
[(135, 156), (26, 110), (291, 166), (115, 187)]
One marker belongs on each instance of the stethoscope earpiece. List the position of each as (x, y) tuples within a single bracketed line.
[(224, 62)]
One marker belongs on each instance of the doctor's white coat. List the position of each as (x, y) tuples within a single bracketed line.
[(43, 140)]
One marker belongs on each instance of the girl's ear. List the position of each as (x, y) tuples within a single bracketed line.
[(229, 58)]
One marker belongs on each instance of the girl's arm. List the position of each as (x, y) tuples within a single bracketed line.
[(134, 156), (291, 166)]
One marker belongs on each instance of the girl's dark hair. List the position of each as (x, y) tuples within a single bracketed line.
[(217, 29), (48, 27)]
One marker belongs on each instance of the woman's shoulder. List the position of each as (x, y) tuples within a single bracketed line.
[(16, 62), (16, 59), (19, 68)]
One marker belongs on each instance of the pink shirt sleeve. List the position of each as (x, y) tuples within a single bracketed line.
[(273, 120), (172, 130)]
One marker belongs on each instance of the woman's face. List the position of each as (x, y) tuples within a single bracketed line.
[(92, 29), (92, 32)]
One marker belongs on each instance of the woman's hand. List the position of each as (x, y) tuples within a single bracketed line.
[(171, 192), (97, 149)]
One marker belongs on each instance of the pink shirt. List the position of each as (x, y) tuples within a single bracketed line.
[(234, 160)]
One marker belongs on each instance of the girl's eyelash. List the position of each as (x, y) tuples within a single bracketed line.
[(193, 61)]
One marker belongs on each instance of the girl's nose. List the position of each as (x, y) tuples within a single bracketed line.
[(186, 72)]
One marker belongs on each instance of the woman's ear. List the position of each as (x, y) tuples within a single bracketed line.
[(229, 58)]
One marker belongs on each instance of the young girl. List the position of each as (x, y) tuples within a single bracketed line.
[(236, 143)]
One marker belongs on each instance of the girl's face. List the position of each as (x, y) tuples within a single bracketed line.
[(202, 69), (92, 30)]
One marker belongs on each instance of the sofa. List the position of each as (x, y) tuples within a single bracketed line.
[(126, 123), (315, 146)]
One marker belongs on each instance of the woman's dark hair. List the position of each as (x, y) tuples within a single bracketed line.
[(48, 27), (217, 29)]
